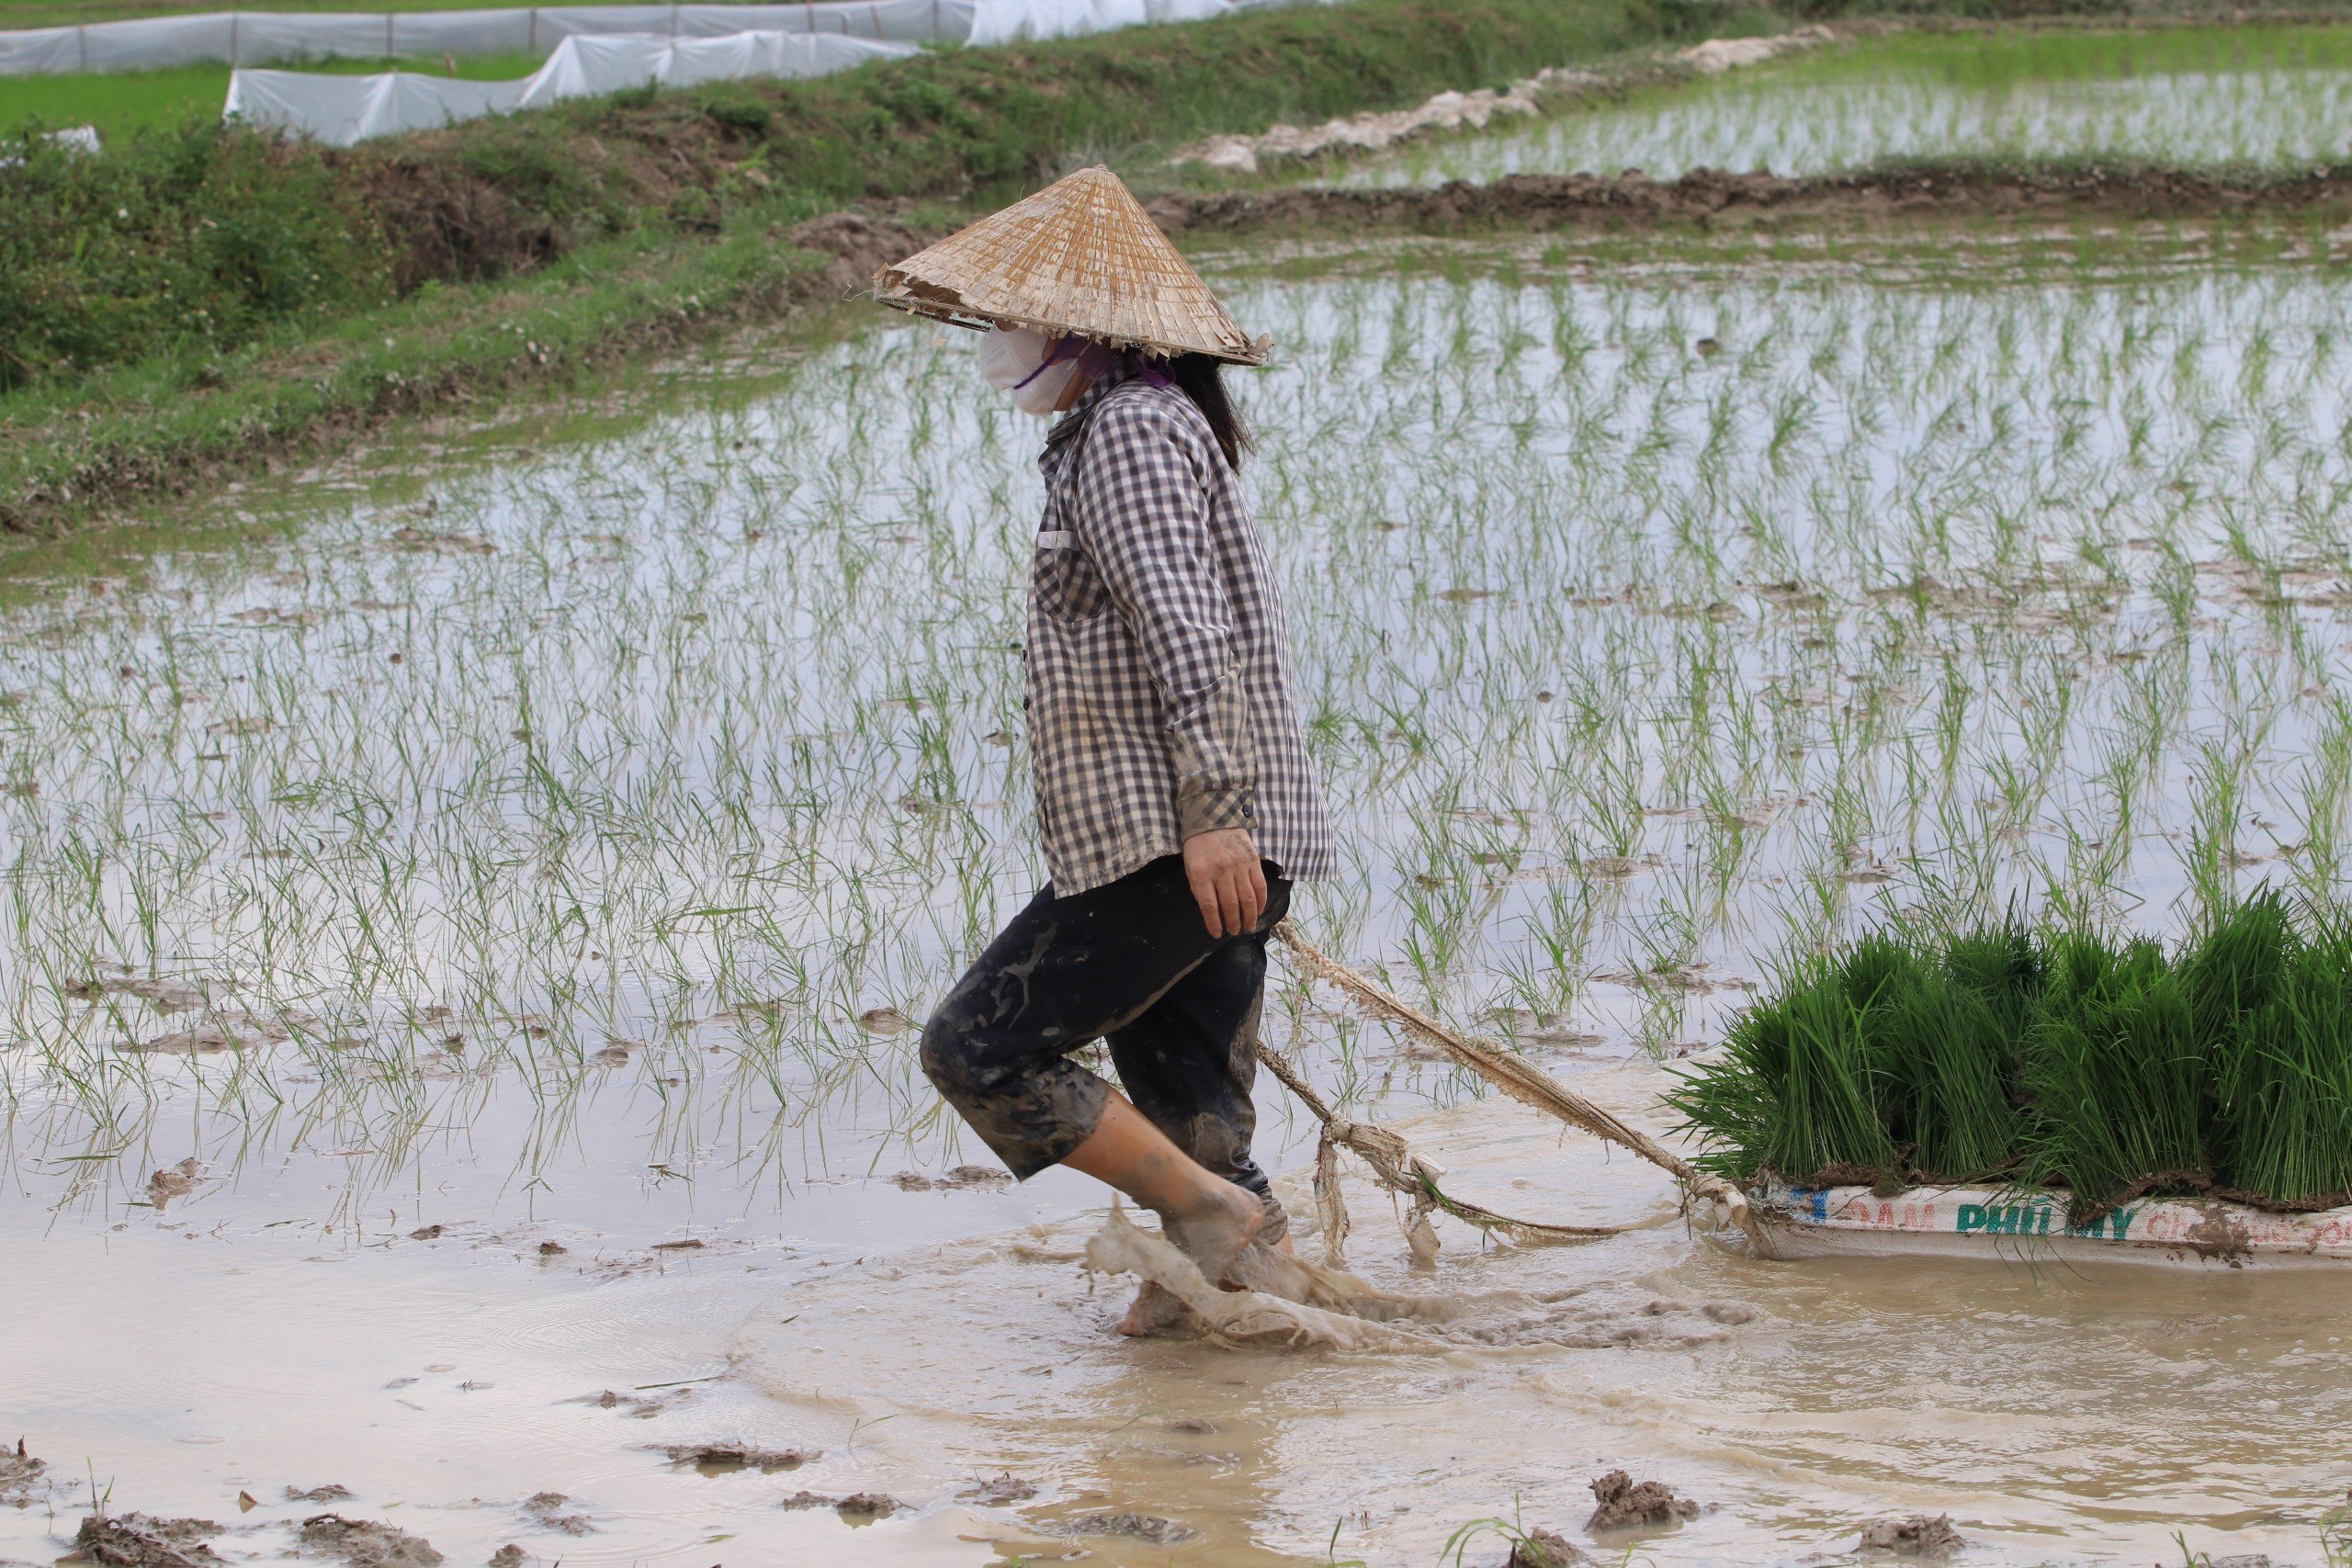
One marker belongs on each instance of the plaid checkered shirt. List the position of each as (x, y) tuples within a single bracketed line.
[(1159, 681)]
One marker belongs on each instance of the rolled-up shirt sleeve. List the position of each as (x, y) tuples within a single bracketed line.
[(1142, 517)]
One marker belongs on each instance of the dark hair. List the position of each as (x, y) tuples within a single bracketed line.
[(1202, 379)]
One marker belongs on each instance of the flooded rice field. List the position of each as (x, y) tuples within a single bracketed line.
[(462, 934), (2278, 97)]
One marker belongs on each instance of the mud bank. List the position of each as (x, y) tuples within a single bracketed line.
[(1710, 197)]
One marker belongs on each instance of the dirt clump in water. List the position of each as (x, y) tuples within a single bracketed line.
[(856, 1506), (1136, 1526), (173, 1181), (1539, 1548), (999, 1490), (638, 1407), (724, 1459), (364, 1543), (333, 1492), (546, 1510), (135, 1540), (1918, 1536), (961, 1176), (1627, 1504), (22, 1477), (507, 1556)]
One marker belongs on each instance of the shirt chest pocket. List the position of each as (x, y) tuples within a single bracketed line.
[(1064, 580)]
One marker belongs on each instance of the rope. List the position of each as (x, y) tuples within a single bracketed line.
[(1414, 1175), (1404, 1171)]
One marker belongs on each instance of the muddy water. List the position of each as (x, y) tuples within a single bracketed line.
[(2082, 1414), (546, 837)]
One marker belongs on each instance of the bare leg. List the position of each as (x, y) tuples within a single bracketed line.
[(1210, 1218)]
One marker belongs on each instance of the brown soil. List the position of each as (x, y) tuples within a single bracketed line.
[(2314, 1205), (856, 1506), (1543, 1549), (135, 1540), (999, 1491), (721, 1459), (20, 1477), (1707, 198), (364, 1543), (1918, 1536), (1137, 1527), (1627, 1504), (2218, 1237), (961, 1176), (545, 1509), (1845, 1176)]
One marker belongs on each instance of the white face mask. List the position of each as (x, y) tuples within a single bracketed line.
[(1014, 359)]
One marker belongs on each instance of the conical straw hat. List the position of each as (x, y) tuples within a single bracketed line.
[(1081, 256)]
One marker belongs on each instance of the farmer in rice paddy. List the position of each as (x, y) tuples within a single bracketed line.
[(1175, 802)]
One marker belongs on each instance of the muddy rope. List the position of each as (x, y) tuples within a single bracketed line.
[(1409, 1174), (1415, 1178)]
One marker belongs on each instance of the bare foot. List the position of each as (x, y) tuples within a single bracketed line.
[(1214, 1234), (1155, 1310)]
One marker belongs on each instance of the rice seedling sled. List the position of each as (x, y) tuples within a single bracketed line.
[(2015, 1093), (2030, 1226)]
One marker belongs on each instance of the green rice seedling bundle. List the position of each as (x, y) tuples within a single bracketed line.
[(2282, 1073), (2063, 1060), (2113, 1067), (1882, 1063)]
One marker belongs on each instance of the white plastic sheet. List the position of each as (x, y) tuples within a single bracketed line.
[(41, 52), (340, 110), (265, 37), (82, 138), (584, 66), (1009, 21)]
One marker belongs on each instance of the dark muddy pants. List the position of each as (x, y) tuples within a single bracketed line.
[(1129, 964)]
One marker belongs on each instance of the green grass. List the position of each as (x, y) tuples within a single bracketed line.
[(121, 102), (2063, 1059)]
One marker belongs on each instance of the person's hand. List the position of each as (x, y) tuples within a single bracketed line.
[(1222, 866)]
